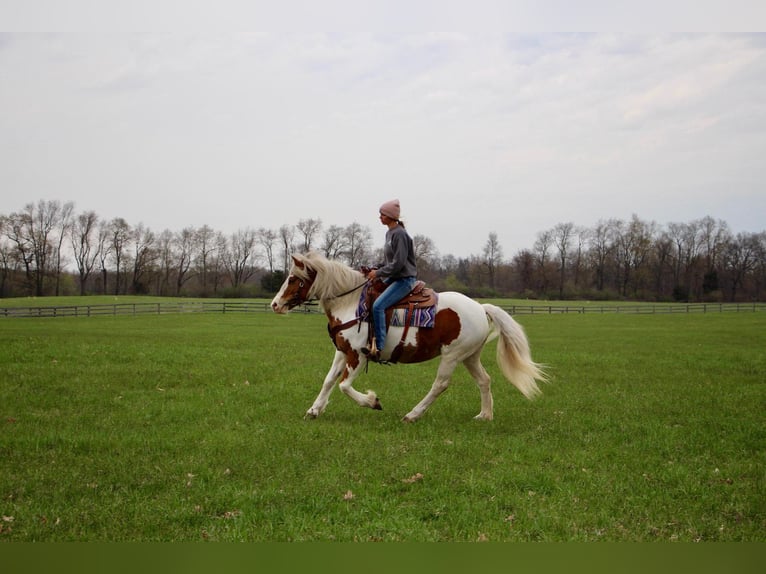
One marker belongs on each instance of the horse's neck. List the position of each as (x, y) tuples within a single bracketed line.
[(341, 299)]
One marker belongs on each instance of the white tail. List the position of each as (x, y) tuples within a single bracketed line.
[(513, 353)]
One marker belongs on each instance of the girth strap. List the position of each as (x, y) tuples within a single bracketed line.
[(334, 330)]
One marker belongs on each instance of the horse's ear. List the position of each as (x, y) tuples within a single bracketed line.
[(298, 263)]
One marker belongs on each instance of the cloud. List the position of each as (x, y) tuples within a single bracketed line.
[(487, 132)]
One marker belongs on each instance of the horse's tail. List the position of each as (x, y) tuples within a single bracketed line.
[(513, 353)]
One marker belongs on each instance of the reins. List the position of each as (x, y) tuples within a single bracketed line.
[(341, 294)]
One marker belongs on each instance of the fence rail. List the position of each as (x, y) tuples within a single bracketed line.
[(636, 309), (223, 307)]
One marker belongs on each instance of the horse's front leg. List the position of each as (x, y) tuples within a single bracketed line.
[(320, 403), (353, 366)]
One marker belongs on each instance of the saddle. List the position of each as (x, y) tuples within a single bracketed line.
[(419, 297)]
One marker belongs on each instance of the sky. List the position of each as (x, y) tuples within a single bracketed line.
[(475, 132)]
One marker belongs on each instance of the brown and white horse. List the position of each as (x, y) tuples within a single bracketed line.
[(461, 329)]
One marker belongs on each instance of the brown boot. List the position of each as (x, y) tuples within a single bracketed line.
[(372, 354)]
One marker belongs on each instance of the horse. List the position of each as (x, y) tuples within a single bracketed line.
[(461, 329)]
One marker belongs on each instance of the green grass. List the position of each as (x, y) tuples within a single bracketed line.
[(189, 427)]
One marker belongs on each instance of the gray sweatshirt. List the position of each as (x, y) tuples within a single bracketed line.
[(400, 255)]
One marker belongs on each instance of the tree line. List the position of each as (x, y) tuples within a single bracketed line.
[(47, 248)]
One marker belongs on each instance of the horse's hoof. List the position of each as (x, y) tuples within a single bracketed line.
[(309, 416), (377, 406)]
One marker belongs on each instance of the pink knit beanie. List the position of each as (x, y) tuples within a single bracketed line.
[(391, 209)]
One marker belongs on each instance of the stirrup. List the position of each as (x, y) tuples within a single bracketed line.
[(372, 354)]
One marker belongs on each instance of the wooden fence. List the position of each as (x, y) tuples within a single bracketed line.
[(223, 307), (645, 309)]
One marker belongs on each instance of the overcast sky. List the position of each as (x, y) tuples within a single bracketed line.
[(474, 133)]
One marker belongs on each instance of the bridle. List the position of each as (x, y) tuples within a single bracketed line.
[(304, 286)]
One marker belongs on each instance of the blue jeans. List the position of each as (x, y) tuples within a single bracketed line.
[(396, 289)]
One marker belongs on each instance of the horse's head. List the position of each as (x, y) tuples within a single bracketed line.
[(295, 290)]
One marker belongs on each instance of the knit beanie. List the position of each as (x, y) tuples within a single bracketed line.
[(391, 209)]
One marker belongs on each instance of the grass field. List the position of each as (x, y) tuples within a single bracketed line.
[(189, 428)]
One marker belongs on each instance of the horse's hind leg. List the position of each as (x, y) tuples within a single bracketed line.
[(478, 372), (443, 377)]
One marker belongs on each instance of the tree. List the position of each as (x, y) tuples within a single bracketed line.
[(634, 241), (741, 257), (426, 256), (166, 256), (602, 245), (184, 244), (16, 230), (562, 235), (104, 251), (493, 256), (120, 235), (145, 256), (7, 258), (334, 244), (267, 239), (84, 245), (309, 229), (206, 245), (286, 236), (541, 249), (524, 266), (239, 261), (358, 240), (63, 226), (32, 230)]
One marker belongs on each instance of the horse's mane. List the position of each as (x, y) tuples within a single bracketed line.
[(333, 277)]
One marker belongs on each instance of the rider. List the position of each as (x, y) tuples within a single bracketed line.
[(398, 272)]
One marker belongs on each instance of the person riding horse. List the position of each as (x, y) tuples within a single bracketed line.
[(399, 273)]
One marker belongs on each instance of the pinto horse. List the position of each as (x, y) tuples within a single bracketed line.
[(461, 328)]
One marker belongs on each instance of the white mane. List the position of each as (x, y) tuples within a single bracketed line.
[(333, 277)]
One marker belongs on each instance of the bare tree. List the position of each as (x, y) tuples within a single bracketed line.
[(184, 243), (741, 257), (562, 236), (582, 236), (16, 230), (334, 243), (205, 242), (267, 239), (120, 235), (358, 240), (145, 256), (32, 230), (541, 250), (85, 247), (287, 236), (309, 229), (104, 251), (217, 260), (602, 245), (166, 257), (64, 224), (493, 256), (6, 257), (634, 241), (240, 257), (425, 251)]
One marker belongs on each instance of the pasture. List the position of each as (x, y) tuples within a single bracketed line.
[(190, 428)]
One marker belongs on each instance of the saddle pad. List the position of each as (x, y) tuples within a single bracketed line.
[(421, 317)]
